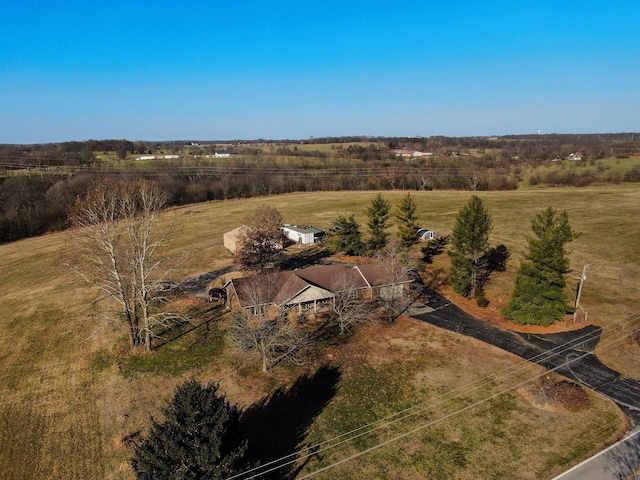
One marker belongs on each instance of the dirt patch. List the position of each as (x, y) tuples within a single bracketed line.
[(555, 394)]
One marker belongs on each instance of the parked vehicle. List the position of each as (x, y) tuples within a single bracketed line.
[(218, 295)]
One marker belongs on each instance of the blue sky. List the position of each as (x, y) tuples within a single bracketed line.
[(212, 70)]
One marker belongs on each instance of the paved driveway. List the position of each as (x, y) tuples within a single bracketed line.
[(620, 461), (575, 360)]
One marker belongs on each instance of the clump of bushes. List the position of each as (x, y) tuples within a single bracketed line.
[(482, 301)]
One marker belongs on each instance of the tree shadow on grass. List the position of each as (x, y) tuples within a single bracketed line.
[(278, 424), (202, 321), (195, 285), (311, 255), (624, 462)]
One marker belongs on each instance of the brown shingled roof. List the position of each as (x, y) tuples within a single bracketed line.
[(380, 274), (325, 275), (282, 286)]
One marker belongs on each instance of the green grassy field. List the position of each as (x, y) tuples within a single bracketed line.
[(69, 395)]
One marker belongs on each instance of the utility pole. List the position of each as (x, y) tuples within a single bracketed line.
[(582, 279)]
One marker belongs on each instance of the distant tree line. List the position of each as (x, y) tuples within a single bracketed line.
[(39, 183)]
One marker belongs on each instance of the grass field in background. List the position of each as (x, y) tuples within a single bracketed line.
[(69, 395)]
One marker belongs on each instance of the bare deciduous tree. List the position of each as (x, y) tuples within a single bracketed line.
[(349, 311), (399, 267), (276, 339), (262, 240), (115, 248), (265, 328)]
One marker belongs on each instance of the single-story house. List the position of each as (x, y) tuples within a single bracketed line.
[(306, 235), (311, 288), (425, 234), (232, 240)]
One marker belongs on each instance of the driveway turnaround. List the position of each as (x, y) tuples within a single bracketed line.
[(569, 353)]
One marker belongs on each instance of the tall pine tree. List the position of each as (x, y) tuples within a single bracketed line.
[(378, 221), (469, 244), (347, 237), (539, 296), (407, 221), (197, 439)]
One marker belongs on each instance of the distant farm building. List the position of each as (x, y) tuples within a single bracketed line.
[(412, 153), (158, 157), (306, 235)]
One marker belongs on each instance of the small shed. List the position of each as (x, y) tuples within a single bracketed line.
[(232, 239)]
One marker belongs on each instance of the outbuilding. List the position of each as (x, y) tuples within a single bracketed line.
[(425, 234), (232, 239), (306, 234)]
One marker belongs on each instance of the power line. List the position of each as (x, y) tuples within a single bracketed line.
[(541, 357), (421, 407), (449, 415)]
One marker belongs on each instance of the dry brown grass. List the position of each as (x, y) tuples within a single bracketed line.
[(411, 362), (69, 396)]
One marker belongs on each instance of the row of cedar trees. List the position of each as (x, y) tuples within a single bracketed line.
[(539, 295)]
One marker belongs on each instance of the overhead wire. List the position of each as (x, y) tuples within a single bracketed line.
[(490, 377), (408, 412), (452, 414), (423, 406)]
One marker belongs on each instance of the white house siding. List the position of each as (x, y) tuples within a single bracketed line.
[(299, 235)]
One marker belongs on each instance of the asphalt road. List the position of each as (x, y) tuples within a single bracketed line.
[(575, 359), (620, 461)]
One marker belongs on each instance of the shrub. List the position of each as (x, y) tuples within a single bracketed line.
[(482, 301)]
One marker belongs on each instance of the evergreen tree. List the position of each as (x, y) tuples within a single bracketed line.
[(347, 237), (434, 247), (407, 221), (378, 218), (539, 296), (469, 244), (197, 439)]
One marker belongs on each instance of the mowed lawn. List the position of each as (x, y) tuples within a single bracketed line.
[(70, 395)]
